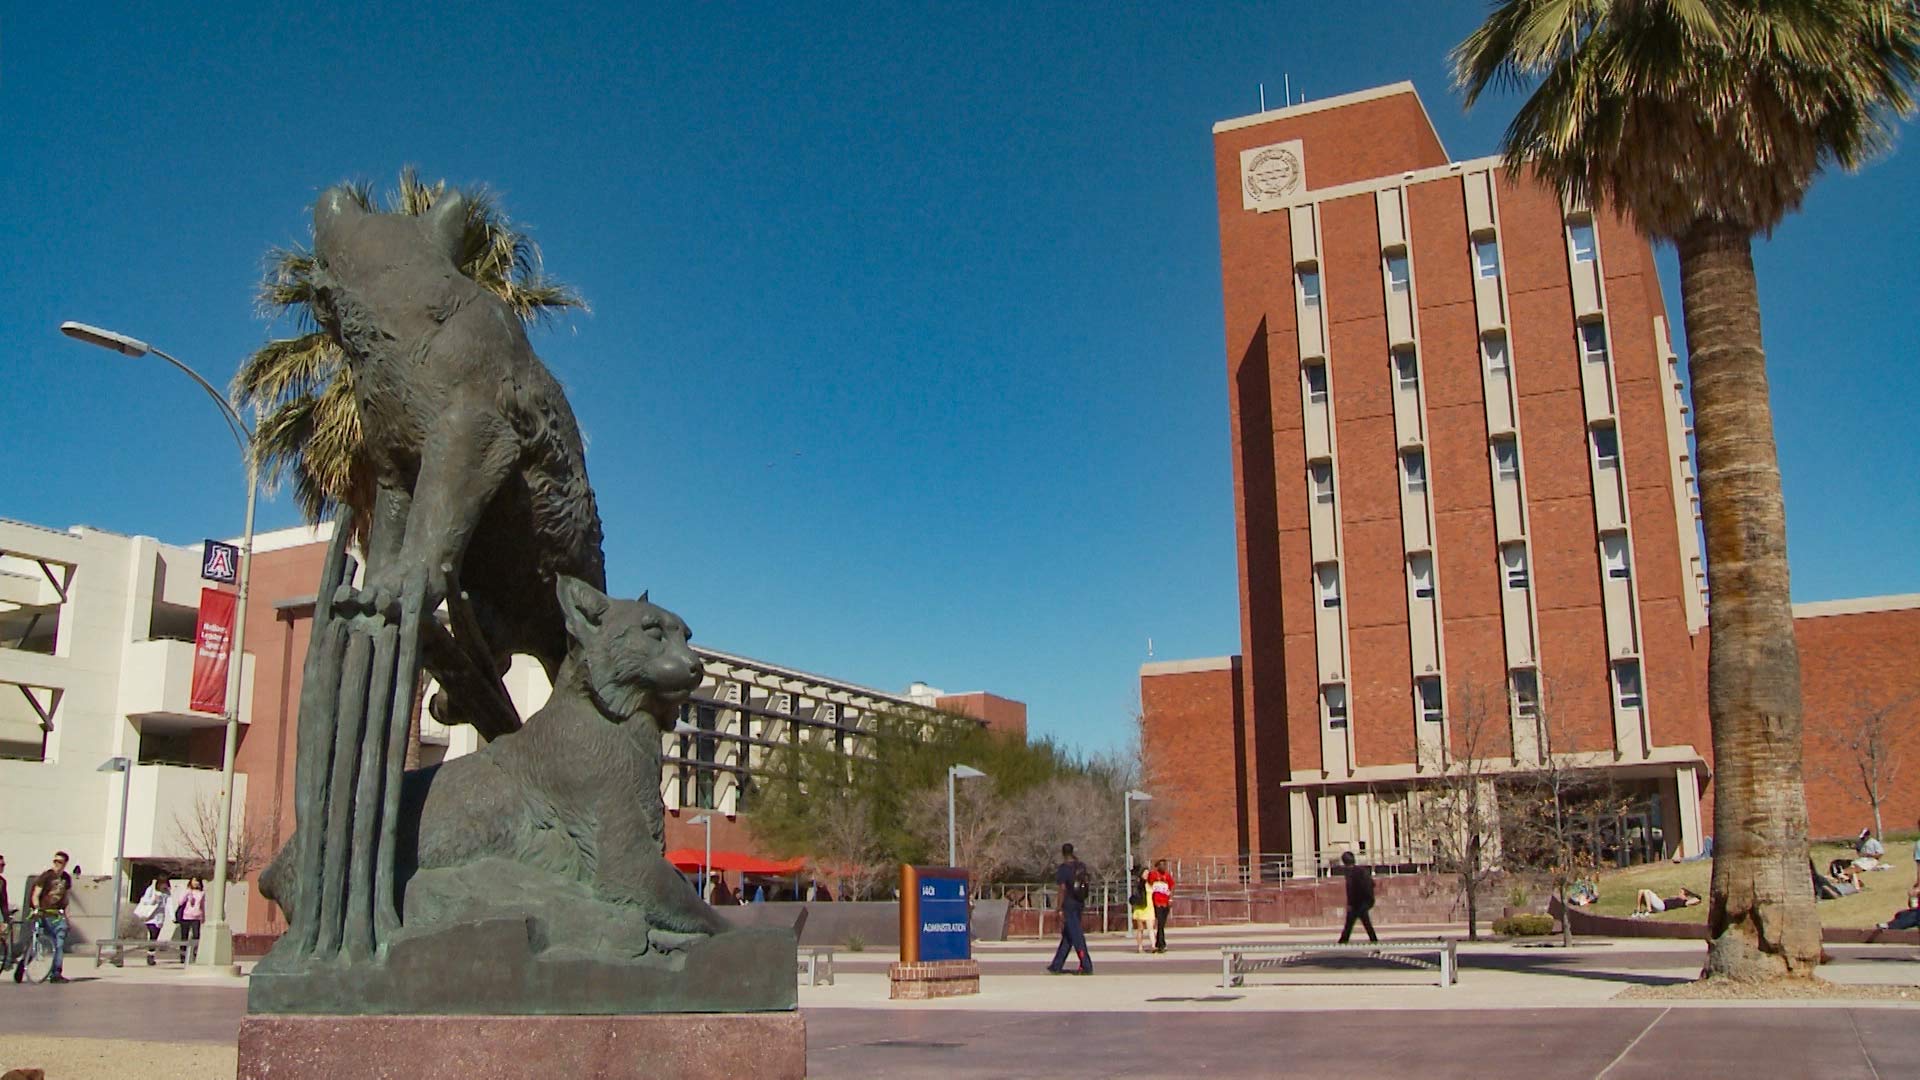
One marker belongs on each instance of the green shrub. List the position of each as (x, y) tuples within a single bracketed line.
[(1524, 926), (1517, 896), (856, 943)]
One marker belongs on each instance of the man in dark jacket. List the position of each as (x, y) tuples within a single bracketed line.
[(1071, 877), (1359, 897)]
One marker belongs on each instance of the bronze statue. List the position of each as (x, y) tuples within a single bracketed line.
[(542, 854)]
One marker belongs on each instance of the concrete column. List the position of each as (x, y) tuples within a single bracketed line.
[(1687, 780), (1305, 834)]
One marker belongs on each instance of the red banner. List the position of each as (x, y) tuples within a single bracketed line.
[(212, 647)]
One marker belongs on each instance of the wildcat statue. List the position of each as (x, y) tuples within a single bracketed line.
[(549, 841), (481, 479)]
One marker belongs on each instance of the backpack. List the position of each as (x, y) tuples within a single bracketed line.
[(1081, 887)]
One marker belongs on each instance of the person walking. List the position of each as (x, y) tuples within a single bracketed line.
[(152, 910), (1359, 898), (1160, 889), (1075, 886), (6, 913), (1140, 912), (47, 897), (188, 913)]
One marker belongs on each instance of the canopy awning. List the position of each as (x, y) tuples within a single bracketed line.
[(738, 861)]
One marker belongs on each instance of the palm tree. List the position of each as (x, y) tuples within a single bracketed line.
[(1705, 121), (308, 430)]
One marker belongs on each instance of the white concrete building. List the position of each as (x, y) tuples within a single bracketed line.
[(96, 661)]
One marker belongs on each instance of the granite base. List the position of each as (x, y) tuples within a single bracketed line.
[(660, 1046)]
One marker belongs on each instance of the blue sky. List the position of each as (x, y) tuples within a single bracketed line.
[(905, 357)]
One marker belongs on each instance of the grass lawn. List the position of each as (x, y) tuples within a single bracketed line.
[(1885, 892)]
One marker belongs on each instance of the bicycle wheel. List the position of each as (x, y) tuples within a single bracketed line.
[(39, 962)]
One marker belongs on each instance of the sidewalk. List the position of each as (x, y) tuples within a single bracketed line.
[(1186, 978)]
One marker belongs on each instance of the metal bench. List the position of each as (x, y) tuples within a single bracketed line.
[(122, 946), (816, 963), (1435, 955)]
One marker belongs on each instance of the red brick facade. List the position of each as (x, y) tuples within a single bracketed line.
[(1003, 715), (1607, 588)]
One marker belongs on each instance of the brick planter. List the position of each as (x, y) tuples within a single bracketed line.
[(933, 979)]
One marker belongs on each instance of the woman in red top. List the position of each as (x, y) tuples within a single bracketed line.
[(1160, 888)]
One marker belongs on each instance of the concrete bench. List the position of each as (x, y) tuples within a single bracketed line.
[(816, 963), (120, 947), (1436, 955)]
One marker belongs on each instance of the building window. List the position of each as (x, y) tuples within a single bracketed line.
[(1513, 560), (1420, 575), (1340, 809), (1430, 706), (1320, 474), (1327, 578), (1399, 273), (1506, 458), (1606, 446), (1494, 348), (1613, 553), (1413, 467), (1336, 699), (1593, 342), (1584, 248), (1626, 683), (1486, 258), (1526, 693), (1309, 288), (1316, 376), (1406, 370)]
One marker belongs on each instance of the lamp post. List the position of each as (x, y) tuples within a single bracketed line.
[(1127, 804), (706, 864), (123, 766), (216, 948), (956, 772)]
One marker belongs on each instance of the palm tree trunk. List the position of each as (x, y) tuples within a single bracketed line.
[(1761, 921)]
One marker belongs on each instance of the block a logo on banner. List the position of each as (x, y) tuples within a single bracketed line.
[(220, 562)]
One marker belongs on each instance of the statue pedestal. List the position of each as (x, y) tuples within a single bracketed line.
[(764, 1046), (933, 979)]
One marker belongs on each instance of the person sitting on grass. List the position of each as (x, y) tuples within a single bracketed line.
[(1845, 883), (1649, 902), (1583, 893), (1905, 920)]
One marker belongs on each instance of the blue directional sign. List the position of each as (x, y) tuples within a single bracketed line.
[(934, 914)]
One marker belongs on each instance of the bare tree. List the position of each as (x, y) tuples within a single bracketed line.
[(847, 849), (1457, 815), (1870, 740), (981, 820), (198, 829)]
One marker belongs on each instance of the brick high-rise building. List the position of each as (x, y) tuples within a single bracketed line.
[(1461, 478), (1465, 506)]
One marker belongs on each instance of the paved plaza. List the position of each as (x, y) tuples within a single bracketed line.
[(1518, 1011)]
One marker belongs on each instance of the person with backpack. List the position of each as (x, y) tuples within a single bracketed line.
[(1075, 887), (1359, 898), (1160, 888)]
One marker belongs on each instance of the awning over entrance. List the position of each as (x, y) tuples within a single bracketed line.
[(738, 861)]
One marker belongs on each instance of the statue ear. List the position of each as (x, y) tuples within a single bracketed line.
[(446, 224), (582, 605), (644, 595), (336, 205)]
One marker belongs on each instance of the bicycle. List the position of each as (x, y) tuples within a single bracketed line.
[(35, 961), (6, 943)]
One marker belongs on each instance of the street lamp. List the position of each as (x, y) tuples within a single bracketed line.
[(217, 948), (956, 772), (123, 766), (706, 864), (1132, 797), (681, 727)]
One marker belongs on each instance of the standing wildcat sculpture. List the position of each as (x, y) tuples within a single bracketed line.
[(528, 877), (481, 480)]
